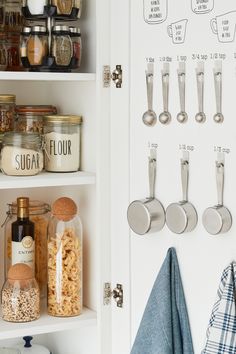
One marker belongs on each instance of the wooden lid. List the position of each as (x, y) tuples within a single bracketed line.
[(20, 271), (64, 209)]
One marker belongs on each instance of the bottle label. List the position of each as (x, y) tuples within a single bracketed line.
[(23, 252)]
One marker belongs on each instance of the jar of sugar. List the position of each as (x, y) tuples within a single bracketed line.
[(22, 154), (62, 143)]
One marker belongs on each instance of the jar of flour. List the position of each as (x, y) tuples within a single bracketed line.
[(62, 143)]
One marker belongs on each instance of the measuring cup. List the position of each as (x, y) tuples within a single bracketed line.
[(218, 219), (182, 217), (147, 215)]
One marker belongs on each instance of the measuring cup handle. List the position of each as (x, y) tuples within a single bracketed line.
[(220, 181), (185, 178), (152, 176)]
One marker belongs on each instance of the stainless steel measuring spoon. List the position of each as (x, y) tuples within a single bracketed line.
[(182, 217), (147, 215), (200, 75), (218, 219), (165, 116), (218, 117), (150, 117), (182, 116)]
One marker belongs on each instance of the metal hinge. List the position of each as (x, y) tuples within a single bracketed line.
[(116, 294), (115, 76)]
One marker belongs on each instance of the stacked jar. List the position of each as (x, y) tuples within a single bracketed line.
[(7, 113)]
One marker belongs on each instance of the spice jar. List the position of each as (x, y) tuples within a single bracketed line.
[(64, 7), (30, 118), (7, 113), (21, 154), (25, 34), (64, 260), (20, 295), (76, 43), (3, 51), (62, 48), (13, 53), (13, 19), (39, 215), (36, 7), (62, 143), (37, 46)]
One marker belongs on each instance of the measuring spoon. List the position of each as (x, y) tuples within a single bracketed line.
[(200, 74), (147, 215), (182, 217), (182, 116), (218, 219), (218, 117), (165, 116), (149, 117)]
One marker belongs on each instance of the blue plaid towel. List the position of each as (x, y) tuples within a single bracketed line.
[(221, 332)]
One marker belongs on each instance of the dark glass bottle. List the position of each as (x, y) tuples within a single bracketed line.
[(23, 246)]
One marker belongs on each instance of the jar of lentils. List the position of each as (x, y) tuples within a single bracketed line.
[(7, 113)]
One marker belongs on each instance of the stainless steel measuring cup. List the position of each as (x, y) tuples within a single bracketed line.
[(147, 215), (182, 217), (218, 219)]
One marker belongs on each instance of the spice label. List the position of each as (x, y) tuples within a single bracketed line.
[(23, 252)]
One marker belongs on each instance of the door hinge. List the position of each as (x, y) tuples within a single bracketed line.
[(116, 294), (115, 76)]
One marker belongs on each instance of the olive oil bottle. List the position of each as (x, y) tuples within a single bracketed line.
[(23, 245)]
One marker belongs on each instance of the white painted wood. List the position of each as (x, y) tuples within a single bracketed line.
[(44, 76), (46, 179), (47, 324)]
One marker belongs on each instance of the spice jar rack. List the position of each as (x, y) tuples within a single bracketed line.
[(49, 62)]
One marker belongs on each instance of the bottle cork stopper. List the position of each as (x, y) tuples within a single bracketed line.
[(64, 209), (20, 271)]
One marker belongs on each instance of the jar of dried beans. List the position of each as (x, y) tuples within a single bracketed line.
[(30, 118), (77, 44), (64, 260), (39, 215), (7, 113), (20, 295), (62, 48)]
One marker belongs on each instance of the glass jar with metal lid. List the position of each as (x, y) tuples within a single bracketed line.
[(21, 154), (77, 44), (62, 48), (37, 45), (62, 143), (7, 113), (30, 118), (24, 37), (39, 214)]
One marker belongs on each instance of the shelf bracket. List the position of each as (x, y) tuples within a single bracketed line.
[(116, 76)]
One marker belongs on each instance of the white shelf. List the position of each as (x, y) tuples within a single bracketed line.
[(47, 324), (45, 76), (46, 179)]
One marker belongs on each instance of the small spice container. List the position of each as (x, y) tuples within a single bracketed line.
[(36, 7), (20, 295), (13, 53), (7, 112), (62, 48), (30, 118), (3, 51), (62, 143), (39, 215), (21, 154), (24, 37), (37, 46), (64, 7), (77, 43), (64, 260)]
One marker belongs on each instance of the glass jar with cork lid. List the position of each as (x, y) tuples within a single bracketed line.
[(64, 260), (20, 295), (7, 113)]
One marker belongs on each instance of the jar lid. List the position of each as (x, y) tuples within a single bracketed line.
[(26, 30), (19, 139), (39, 29), (64, 209), (36, 110), (63, 119), (60, 28), (5, 98), (75, 30), (20, 271)]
